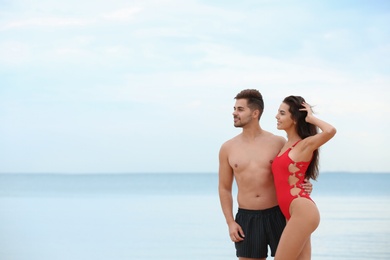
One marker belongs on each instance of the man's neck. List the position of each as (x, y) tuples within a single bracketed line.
[(252, 132)]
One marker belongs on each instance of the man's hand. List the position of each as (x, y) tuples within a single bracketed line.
[(307, 186), (236, 233)]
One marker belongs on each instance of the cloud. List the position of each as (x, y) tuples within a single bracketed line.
[(122, 15), (14, 53), (46, 22), (42, 20)]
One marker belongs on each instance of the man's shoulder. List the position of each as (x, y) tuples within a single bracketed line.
[(231, 141), (270, 137), (273, 136)]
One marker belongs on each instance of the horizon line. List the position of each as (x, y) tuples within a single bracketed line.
[(173, 172)]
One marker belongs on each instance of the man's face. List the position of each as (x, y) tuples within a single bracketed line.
[(242, 114)]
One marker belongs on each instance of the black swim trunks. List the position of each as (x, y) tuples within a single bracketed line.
[(262, 228)]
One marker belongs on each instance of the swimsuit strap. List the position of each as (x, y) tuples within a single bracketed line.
[(296, 143)]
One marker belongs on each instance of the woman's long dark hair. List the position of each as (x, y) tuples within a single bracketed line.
[(304, 130)]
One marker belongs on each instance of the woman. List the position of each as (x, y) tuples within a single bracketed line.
[(298, 160)]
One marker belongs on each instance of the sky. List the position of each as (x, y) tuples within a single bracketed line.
[(148, 86)]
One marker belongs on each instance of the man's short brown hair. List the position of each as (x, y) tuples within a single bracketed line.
[(254, 99)]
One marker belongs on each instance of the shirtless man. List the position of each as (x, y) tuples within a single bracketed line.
[(247, 158)]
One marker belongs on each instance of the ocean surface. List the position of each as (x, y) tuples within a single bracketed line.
[(172, 216)]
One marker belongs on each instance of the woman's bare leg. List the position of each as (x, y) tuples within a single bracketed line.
[(296, 235), (306, 251)]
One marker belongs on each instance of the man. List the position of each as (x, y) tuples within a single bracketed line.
[(247, 158)]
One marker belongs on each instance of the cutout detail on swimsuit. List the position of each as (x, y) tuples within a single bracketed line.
[(293, 180)]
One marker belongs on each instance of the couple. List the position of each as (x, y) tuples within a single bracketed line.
[(271, 175)]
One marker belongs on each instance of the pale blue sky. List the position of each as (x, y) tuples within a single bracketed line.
[(148, 86)]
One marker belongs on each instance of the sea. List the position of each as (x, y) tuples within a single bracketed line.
[(172, 216)]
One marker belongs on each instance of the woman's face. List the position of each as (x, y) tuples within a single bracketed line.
[(283, 117)]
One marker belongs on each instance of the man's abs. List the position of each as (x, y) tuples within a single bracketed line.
[(257, 201)]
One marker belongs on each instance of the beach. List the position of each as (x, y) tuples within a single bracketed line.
[(171, 216)]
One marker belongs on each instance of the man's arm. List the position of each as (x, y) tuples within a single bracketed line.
[(225, 195)]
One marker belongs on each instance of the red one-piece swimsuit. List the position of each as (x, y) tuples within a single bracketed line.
[(288, 177)]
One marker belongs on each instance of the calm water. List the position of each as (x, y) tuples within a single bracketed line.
[(171, 216)]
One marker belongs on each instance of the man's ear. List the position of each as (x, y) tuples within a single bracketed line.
[(255, 113)]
